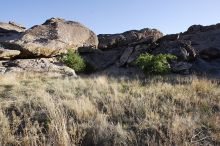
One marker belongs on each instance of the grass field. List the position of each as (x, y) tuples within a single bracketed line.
[(38, 110)]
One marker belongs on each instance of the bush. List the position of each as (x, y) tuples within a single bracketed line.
[(73, 60), (155, 64)]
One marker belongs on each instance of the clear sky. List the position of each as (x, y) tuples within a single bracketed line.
[(114, 16)]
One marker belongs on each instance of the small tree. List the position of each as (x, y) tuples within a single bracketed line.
[(155, 64), (73, 60)]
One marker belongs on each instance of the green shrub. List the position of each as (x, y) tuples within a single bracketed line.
[(155, 64), (73, 60)]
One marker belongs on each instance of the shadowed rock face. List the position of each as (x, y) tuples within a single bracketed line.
[(52, 38), (180, 48), (207, 67), (199, 45), (199, 39), (203, 37), (121, 49), (100, 60)]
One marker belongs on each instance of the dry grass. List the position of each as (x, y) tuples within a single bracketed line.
[(39, 110)]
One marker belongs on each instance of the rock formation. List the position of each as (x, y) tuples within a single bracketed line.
[(36, 49), (121, 49), (40, 65), (52, 38), (34, 45), (10, 31), (198, 46)]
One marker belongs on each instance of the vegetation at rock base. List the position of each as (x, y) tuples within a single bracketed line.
[(155, 64), (98, 110), (73, 60)]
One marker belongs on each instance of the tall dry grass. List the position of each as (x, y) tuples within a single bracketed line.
[(38, 110)]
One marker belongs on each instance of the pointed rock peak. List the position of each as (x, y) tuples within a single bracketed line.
[(53, 20)]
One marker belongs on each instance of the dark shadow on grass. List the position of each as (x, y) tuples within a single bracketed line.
[(6, 90), (133, 73)]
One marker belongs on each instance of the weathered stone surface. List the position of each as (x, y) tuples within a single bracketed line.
[(8, 54), (181, 67), (210, 53), (123, 47), (182, 49), (125, 56), (107, 41), (102, 59), (207, 67), (197, 49), (10, 31), (169, 37), (199, 43), (197, 40), (138, 50), (52, 38), (11, 27), (42, 65), (203, 37)]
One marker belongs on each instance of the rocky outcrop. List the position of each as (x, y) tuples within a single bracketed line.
[(26, 50), (41, 65), (203, 38), (133, 37), (198, 46), (197, 49), (198, 40), (121, 49), (52, 38)]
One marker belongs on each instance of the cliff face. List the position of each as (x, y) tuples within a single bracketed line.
[(197, 49)]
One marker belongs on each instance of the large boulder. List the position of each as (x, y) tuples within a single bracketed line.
[(52, 38), (10, 31), (133, 37)]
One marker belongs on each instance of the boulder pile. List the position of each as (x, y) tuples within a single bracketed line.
[(32, 46), (121, 49), (198, 46), (36, 49)]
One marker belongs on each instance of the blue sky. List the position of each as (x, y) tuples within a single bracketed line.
[(115, 16)]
